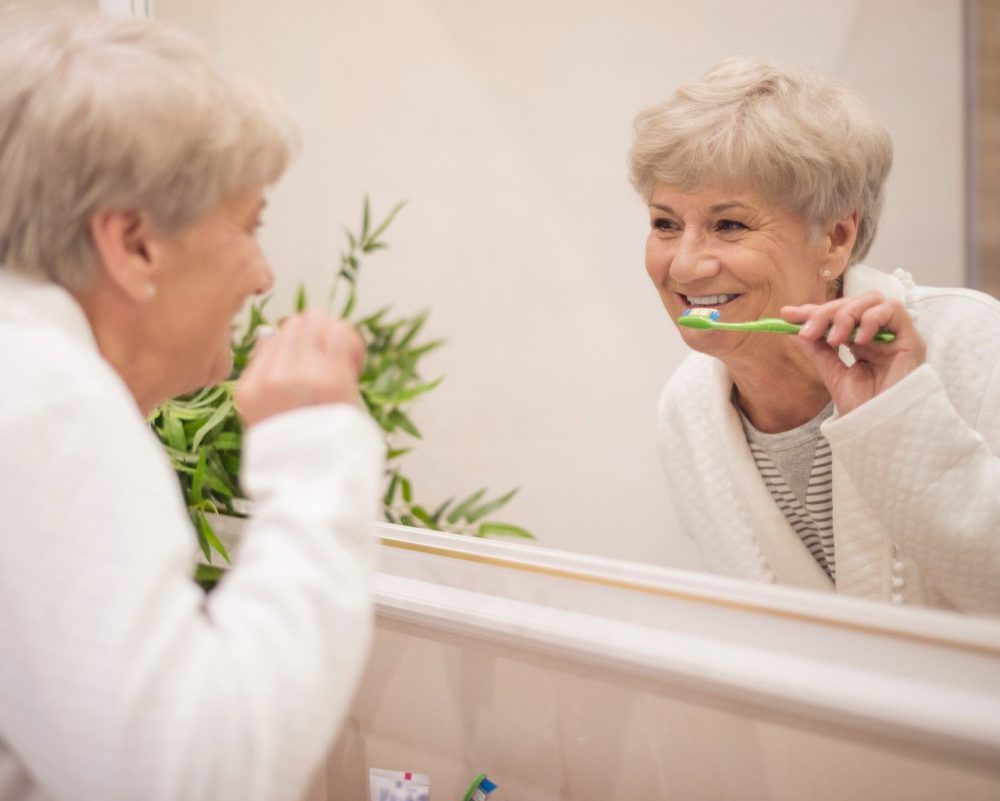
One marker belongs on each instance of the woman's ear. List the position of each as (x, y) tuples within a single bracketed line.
[(838, 241), (124, 244)]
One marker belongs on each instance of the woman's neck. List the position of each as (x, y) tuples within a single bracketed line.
[(116, 330), (779, 395)]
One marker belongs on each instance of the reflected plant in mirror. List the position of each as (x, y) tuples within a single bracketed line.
[(203, 434)]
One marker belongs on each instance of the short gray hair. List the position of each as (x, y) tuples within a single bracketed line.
[(119, 114), (800, 140)]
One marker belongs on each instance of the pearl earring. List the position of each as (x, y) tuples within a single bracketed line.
[(826, 274)]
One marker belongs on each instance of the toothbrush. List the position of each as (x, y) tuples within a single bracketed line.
[(708, 319), (480, 789)]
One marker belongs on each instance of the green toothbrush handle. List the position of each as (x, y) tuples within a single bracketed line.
[(776, 325), (771, 325)]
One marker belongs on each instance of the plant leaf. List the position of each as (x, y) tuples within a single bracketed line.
[(421, 514), (218, 478), (440, 511), (474, 515), (374, 318), (465, 505), (490, 529), (415, 392), (352, 297), (199, 478), (206, 530), (390, 492), (387, 221), (218, 417), (208, 575), (416, 353), (414, 329), (227, 441), (365, 218), (196, 517), (399, 418), (175, 432)]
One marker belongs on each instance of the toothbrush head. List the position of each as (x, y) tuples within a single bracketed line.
[(701, 318)]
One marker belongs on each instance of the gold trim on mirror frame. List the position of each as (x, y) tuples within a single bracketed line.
[(688, 595)]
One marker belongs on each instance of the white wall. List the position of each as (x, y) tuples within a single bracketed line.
[(506, 126)]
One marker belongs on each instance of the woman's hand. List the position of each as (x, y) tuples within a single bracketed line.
[(878, 365), (312, 359)]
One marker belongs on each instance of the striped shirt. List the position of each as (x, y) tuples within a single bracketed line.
[(796, 467)]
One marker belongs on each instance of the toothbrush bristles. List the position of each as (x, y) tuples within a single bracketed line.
[(701, 311)]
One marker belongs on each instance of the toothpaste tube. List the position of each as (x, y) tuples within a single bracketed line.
[(397, 785)]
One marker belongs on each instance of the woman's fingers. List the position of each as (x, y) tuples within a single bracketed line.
[(855, 322), (846, 318), (837, 320), (344, 341)]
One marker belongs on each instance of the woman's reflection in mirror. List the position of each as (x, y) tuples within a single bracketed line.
[(823, 459)]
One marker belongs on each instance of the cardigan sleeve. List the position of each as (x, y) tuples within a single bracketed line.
[(933, 481), (119, 678)]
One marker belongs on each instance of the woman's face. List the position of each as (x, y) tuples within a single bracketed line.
[(735, 252), (205, 274)]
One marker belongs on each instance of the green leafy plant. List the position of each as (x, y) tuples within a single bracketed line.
[(203, 435)]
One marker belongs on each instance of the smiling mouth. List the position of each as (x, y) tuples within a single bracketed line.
[(700, 301)]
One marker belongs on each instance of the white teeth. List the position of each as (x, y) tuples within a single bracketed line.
[(710, 300)]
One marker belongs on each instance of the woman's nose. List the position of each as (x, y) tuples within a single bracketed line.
[(266, 282), (693, 259)]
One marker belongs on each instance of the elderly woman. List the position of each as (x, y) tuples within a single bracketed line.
[(826, 460), (132, 177)]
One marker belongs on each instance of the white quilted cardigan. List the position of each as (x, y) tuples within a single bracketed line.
[(916, 473)]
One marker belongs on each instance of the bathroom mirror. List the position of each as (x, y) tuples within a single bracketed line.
[(505, 127)]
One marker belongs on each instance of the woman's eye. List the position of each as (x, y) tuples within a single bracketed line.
[(663, 224), (730, 225)]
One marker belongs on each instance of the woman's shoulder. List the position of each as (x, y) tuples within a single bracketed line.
[(956, 322), (44, 367), (47, 348), (957, 306), (962, 330), (954, 318), (952, 302)]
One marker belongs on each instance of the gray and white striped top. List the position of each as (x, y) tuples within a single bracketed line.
[(796, 467)]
